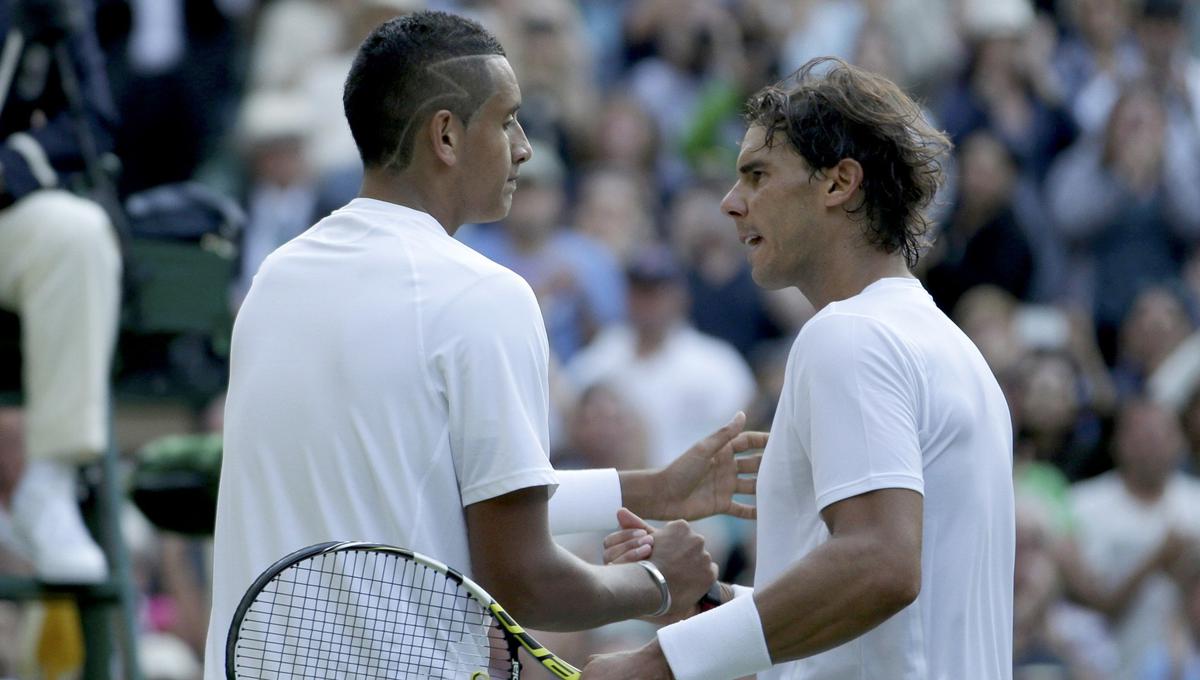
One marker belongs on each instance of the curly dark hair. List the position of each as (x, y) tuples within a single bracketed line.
[(830, 110), (406, 70)]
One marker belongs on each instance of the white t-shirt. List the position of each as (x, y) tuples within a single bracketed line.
[(383, 376), (1118, 532), (883, 391), (673, 388)]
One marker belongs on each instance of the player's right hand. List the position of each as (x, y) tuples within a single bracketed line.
[(680, 555)]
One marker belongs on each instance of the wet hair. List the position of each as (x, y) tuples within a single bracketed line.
[(406, 70), (829, 110)]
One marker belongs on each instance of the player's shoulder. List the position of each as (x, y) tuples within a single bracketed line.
[(472, 272), (845, 326), (844, 335), (484, 292)]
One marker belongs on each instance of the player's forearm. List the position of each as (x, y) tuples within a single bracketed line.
[(839, 591), (566, 593)]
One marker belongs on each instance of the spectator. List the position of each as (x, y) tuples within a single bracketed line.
[(281, 191), (983, 242), (1093, 57), (290, 35), (1177, 657), (1051, 631), (1168, 67), (557, 96), (1054, 422), (1156, 326), (1139, 515), (660, 364), (712, 135), (697, 42), (603, 431), (988, 316), (177, 84), (60, 271), (1008, 86), (924, 43), (1037, 652), (1127, 204), (769, 363), (614, 209), (625, 137), (319, 78), (725, 303)]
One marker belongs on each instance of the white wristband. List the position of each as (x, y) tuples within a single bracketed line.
[(741, 591), (586, 500), (726, 642), (663, 591)]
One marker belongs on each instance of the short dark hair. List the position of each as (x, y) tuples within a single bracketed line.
[(408, 68), (830, 110)]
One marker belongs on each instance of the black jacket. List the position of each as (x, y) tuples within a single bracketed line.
[(39, 135)]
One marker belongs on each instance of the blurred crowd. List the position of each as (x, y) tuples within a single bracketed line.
[(1065, 246)]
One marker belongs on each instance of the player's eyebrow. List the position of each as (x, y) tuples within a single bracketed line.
[(750, 166)]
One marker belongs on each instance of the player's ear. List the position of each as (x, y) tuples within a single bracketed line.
[(845, 178), (445, 135)]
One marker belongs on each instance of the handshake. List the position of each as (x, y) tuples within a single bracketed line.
[(676, 557), (702, 482)]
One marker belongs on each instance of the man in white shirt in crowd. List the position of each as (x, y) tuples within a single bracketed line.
[(661, 365), (389, 384), (886, 520), (1146, 512)]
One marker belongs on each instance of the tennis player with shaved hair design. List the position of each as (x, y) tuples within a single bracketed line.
[(886, 522), (389, 384)]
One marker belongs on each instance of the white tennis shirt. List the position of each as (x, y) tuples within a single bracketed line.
[(382, 377), (882, 391)]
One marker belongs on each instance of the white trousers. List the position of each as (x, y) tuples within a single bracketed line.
[(60, 271)]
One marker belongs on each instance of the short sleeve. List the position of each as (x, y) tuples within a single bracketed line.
[(493, 358), (858, 396)]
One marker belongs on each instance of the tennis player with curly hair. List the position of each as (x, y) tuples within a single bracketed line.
[(886, 521)]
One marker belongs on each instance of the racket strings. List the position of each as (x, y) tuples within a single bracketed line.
[(368, 614)]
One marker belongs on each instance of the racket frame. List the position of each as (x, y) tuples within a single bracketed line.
[(511, 629)]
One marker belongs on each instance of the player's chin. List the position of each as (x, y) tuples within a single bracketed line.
[(497, 212), (765, 279)]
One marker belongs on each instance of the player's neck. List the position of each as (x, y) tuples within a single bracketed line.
[(848, 273), (401, 189)]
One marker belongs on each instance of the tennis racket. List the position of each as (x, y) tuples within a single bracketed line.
[(364, 610)]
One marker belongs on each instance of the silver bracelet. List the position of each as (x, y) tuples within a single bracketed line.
[(663, 590)]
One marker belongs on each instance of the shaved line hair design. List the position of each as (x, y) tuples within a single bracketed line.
[(406, 70), (460, 85)]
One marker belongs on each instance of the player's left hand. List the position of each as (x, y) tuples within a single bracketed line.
[(632, 542), (702, 482)]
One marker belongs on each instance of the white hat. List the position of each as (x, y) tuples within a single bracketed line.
[(270, 115), (988, 18)]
